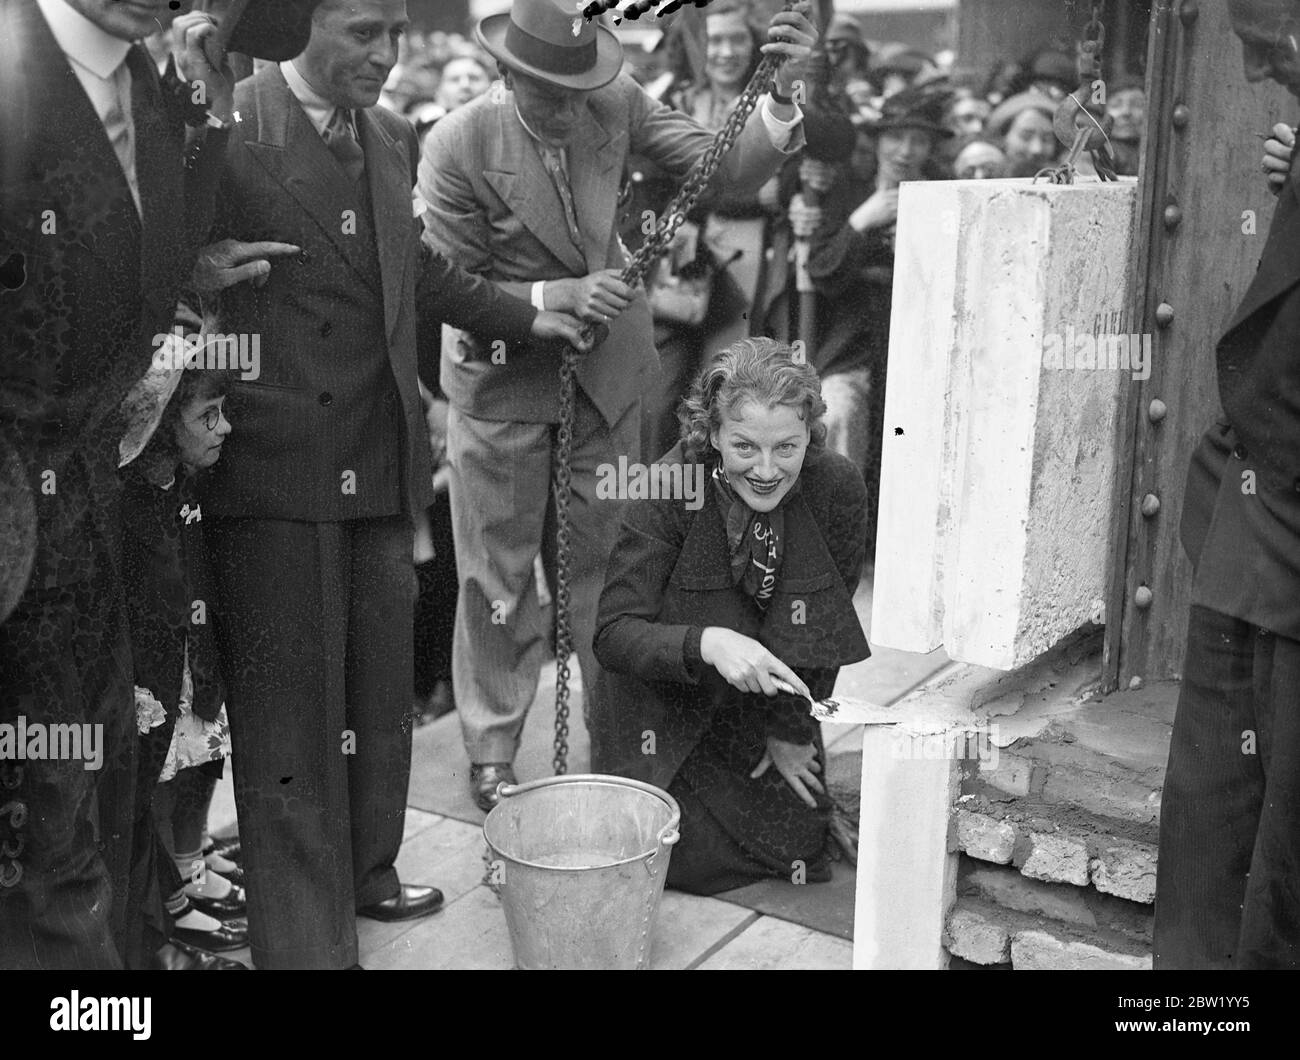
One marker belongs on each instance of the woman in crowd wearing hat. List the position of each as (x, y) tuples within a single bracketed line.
[(1051, 73), (852, 267), (1024, 125), (720, 616), (897, 67)]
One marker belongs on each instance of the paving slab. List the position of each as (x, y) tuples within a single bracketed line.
[(689, 927), (449, 856), (440, 766), (470, 933), (770, 944)]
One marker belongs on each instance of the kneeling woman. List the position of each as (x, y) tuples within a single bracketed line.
[(712, 600)]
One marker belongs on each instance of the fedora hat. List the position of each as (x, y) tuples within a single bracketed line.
[(277, 30), (552, 41)]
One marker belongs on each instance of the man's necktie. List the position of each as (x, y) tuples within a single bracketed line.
[(132, 105), (150, 140), (340, 139), (555, 167)]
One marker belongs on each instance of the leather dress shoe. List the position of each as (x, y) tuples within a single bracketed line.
[(231, 935), (407, 904), (177, 956), (234, 904), (484, 778)]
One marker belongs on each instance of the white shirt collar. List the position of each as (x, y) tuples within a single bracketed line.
[(82, 41), (318, 109)]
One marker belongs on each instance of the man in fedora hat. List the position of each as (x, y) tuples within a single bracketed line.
[(309, 512), (97, 216), (521, 186)]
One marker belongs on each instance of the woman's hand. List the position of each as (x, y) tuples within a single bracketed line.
[(797, 763), (744, 663), (879, 211), (1277, 156)]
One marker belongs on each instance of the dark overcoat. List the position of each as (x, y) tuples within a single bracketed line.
[(87, 283)]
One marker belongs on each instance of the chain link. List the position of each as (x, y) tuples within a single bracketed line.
[(1092, 44), (697, 180)]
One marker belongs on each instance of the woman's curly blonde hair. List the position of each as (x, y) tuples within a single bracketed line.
[(764, 371)]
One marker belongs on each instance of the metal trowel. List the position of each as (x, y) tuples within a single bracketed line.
[(844, 710)]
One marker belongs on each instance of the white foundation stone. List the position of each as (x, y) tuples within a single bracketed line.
[(998, 465)]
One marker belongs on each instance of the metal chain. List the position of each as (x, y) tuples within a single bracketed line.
[(1092, 45), (649, 252)]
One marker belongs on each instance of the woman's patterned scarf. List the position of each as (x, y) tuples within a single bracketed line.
[(756, 539)]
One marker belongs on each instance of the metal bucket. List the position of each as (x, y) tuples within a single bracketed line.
[(579, 863)]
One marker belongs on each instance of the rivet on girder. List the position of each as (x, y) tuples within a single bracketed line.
[(1164, 315), (1150, 505), (1157, 410), (1143, 597)]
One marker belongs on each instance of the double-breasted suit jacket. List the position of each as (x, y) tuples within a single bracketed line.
[(87, 282), (337, 391), (492, 207), (309, 512), (670, 577)]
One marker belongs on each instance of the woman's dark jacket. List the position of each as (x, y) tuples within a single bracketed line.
[(669, 576)]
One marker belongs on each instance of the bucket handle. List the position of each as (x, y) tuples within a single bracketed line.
[(668, 835)]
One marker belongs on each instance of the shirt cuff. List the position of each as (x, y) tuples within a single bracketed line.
[(539, 296), (778, 131)]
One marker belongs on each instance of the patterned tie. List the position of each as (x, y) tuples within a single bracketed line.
[(341, 140), (555, 167)]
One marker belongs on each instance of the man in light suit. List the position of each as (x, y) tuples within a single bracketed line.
[(521, 186), (310, 508), (99, 221), (1228, 883)]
